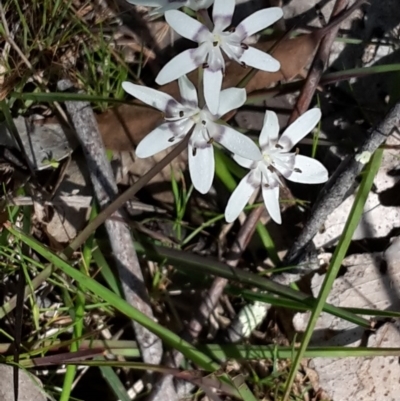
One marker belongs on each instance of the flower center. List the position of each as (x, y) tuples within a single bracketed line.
[(200, 117), (216, 39), (268, 159)]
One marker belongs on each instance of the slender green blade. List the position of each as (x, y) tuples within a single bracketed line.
[(338, 256), (118, 303)]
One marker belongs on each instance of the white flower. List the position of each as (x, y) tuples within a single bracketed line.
[(181, 117), (209, 54), (276, 160), (161, 6)]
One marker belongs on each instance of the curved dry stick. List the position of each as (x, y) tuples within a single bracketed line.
[(338, 186), (212, 297), (317, 68)]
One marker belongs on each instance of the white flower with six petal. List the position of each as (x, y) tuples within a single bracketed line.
[(209, 54), (181, 117), (276, 160), (161, 6)]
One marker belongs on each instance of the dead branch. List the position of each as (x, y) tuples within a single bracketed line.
[(318, 66), (339, 185)]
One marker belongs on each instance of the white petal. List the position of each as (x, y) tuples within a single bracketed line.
[(231, 99), (237, 143), (260, 20), (181, 127), (157, 99), (222, 14), (201, 167), (269, 178), (242, 161), (215, 59), (257, 59), (212, 89), (271, 201), (239, 198), (186, 26), (158, 140), (311, 171), (270, 130), (188, 91), (300, 128), (181, 64), (232, 50), (284, 163)]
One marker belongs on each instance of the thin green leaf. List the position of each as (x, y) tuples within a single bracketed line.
[(120, 304), (256, 352), (337, 258), (190, 262)]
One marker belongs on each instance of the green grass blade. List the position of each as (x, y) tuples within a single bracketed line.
[(268, 243), (360, 72), (300, 306), (114, 382), (239, 352), (329, 78), (106, 272), (120, 304), (77, 314), (222, 170), (170, 338), (338, 256)]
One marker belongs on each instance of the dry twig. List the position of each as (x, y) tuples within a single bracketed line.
[(302, 105), (318, 65), (212, 297)]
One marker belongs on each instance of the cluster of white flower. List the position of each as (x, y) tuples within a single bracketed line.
[(265, 165)]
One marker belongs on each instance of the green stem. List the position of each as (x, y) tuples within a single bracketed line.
[(338, 256)]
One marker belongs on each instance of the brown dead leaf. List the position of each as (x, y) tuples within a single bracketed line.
[(123, 127)]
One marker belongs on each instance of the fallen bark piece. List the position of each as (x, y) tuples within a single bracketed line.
[(363, 379), (30, 387), (364, 285), (381, 212), (124, 254), (43, 143)]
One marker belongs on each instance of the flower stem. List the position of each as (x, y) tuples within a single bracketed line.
[(204, 18), (200, 88)]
